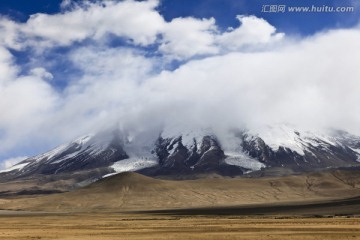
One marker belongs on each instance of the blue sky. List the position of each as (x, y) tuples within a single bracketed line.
[(224, 11), (73, 67)]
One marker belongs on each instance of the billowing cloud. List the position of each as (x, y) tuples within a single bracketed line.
[(10, 32), (226, 79), (25, 103), (298, 83), (187, 37), (137, 21), (140, 24), (252, 32), (8, 71), (7, 163)]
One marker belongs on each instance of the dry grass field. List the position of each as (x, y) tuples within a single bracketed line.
[(157, 227)]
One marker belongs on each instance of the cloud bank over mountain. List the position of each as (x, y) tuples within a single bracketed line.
[(136, 70)]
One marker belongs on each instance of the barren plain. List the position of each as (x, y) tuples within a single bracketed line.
[(131, 206)]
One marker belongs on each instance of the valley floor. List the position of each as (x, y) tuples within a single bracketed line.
[(146, 226)]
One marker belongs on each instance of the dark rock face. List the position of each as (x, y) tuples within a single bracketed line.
[(204, 157), (256, 148), (211, 154)]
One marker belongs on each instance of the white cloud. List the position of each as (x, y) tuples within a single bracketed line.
[(184, 38), (299, 84), (307, 82), (65, 4), (8, 163), (252, 32), (9, 34), (187, 37), (140, 24), (41, 73), (24, 101), (7, 69), (121, 63), (108, 89), (136, 21)]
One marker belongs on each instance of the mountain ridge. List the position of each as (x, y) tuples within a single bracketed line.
[(193, 153)]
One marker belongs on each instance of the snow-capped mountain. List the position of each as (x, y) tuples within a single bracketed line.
[(87, 152), (193, 152), (302, 150)]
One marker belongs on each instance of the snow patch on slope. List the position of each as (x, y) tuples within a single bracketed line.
[(231, 145), (133, 164), (281, 136), (83, 143), (139, 148), (242, 160)]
